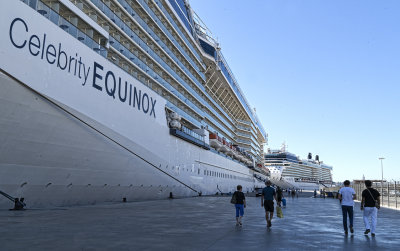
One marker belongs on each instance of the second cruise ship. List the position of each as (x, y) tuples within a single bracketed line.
[(287, 170)]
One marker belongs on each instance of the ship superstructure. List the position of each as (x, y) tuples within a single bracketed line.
[(290, 171), (131, 97)]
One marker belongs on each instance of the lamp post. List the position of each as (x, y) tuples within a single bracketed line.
[(381, 159)]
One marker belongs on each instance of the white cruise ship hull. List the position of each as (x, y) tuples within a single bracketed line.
[(290, 183), (52, 158), (65, 143)]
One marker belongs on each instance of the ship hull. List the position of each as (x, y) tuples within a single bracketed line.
[(290, 183), (53, 156)]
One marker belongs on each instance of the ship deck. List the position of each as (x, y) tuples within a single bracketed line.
[(202, 223)]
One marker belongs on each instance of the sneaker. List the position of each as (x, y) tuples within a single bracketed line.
[(366, 231), (269, 223), (351, 230), (373, 234)]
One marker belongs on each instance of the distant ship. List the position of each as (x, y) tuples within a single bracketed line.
[(289, 171), (111, 100)]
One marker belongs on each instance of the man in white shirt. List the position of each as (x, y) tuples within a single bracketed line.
[(347, 195)]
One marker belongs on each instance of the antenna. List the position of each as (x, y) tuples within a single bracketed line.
[(283, 147)]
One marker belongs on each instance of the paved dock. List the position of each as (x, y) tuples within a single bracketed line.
[(202, 223)]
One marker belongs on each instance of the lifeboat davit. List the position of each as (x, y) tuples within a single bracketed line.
[(230, 150), (224, 148)]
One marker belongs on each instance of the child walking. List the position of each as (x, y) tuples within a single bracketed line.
[(239, 205)]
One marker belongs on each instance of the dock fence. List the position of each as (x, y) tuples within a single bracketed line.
[(390, 192)]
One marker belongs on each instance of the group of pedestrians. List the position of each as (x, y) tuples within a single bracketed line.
[(293, 192), (267, 201), (370, 203)]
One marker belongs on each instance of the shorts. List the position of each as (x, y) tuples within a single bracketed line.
[(239, 209), (269, 206)]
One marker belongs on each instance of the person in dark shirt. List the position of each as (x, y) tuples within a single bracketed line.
[(279, 195), (370, 203), (240, 205), (293, 193), (267, 201)]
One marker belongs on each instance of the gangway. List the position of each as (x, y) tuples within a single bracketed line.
[(19, 203)]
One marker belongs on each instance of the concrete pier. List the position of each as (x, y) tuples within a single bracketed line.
[(201, 223)]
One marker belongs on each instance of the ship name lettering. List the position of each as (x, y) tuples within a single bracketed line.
[(137, 99), (47, 52), (110, 92), (119, 91), (41, 47)]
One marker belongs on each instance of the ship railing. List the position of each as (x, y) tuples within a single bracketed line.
[(67, 26), (244, 121), (243, 128), (243, 141), (243, 134), (202, 29), (235, 86)]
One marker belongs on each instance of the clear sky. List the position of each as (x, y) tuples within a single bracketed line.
[(324, 76)]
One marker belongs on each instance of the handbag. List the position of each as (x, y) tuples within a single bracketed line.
[(279, 212), (376, 201), (234, 200)]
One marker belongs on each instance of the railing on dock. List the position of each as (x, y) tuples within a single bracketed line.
[(390, 192)]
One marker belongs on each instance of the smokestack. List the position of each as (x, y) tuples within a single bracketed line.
[(309, 156), (316, 157)]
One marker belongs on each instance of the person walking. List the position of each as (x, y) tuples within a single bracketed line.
[(347, 195), (239, 205), (370, 203), (279, 195), (267, 201)]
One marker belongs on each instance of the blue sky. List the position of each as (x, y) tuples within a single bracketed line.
[(324, 76)]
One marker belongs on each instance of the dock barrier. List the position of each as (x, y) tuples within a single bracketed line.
[(389, 190)]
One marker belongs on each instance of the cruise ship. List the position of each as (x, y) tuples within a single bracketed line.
[(287, 170), (111, 100)]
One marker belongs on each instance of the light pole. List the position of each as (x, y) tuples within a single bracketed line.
[(381, 159)]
